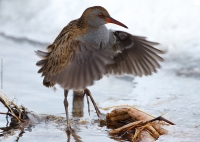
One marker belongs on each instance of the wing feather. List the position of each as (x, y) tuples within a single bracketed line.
[(135, 55)]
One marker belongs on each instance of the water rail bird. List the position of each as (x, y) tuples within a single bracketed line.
[(85, 51)]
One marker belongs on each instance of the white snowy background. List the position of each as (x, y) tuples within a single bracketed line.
[(28, 25)]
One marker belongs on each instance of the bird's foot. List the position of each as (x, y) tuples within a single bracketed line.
[(69, 129), (88, 94)]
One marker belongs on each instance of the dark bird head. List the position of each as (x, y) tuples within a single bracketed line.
[(97, 16)]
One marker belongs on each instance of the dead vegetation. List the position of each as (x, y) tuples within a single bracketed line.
[(136, 125)]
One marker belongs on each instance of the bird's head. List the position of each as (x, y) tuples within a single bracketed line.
[(97, 16)]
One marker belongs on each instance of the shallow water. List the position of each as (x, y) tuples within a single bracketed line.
[(157, 94), (174, 90)]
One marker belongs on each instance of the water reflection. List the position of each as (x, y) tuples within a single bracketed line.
[(78, 103), (15, 129), (76, 137), (77, 111)]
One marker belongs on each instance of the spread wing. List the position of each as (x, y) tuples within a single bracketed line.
[(136, 55), (73, 64)]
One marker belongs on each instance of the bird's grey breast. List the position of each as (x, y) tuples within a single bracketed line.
[(99, 36)]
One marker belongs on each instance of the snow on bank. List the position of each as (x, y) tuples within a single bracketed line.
[(175, 24)]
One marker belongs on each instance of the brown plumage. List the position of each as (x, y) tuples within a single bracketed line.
[(85, 51)]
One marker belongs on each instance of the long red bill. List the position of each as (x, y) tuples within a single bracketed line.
[(111, 20)]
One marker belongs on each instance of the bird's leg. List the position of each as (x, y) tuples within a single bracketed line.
[(88, 94), (66, 110)]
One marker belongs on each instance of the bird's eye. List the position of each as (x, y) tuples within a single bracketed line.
[(100, 15)]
